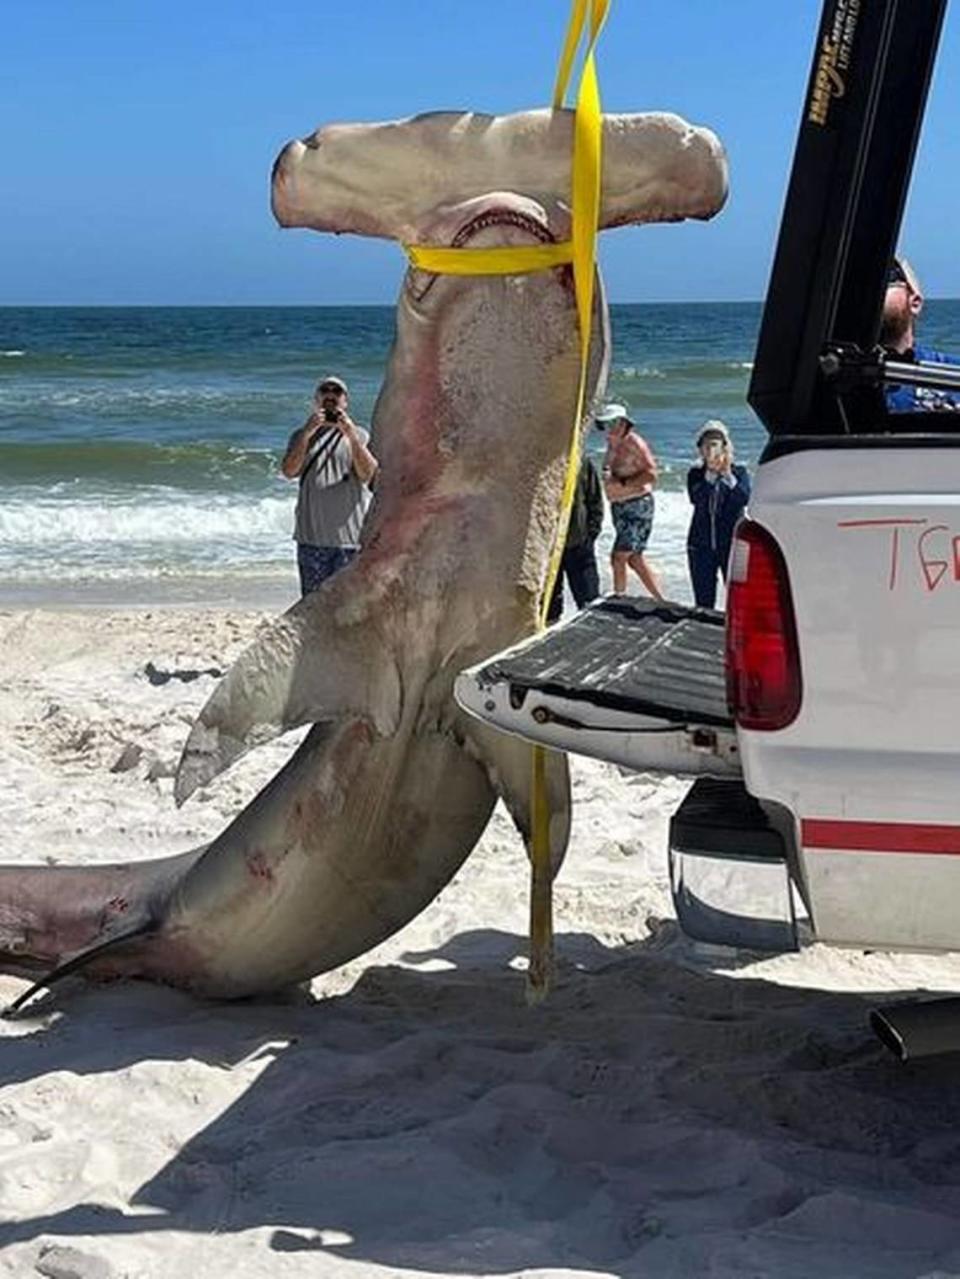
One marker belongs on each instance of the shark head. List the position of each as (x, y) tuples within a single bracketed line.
[(484, 365), (390, 179)]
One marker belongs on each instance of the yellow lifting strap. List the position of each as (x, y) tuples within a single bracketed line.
[(580, 250)]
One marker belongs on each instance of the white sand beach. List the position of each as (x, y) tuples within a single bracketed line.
[(668, 1112)]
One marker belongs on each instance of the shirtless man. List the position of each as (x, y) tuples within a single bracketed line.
[(629, 474)]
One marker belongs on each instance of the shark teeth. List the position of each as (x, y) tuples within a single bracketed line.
[(502, 217)]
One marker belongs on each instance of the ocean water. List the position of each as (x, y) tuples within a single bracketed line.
[(139, 447)]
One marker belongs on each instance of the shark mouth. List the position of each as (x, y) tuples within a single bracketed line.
[(419, 282), (502, 217)]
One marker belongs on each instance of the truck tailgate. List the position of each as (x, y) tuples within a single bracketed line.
[(628, 680)]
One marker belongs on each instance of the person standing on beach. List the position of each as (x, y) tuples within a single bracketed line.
[(579, 563), (902, 304), (719, 490), (629, 475), (330, 457)]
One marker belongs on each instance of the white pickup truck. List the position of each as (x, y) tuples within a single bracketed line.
[(821, 713)]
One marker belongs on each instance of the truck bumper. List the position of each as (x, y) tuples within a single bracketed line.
[(729, 870)]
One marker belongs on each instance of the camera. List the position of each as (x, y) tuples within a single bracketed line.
[(331, 415)]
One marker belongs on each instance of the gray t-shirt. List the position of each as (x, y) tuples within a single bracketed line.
[(332, 500)]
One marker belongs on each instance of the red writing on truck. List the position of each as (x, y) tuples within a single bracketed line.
[(932, 549)]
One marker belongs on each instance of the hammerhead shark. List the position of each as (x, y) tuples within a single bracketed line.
[(393, 785)]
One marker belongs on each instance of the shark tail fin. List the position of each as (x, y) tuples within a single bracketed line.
[(82, 960)]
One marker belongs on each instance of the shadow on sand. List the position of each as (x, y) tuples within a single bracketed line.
[(429, 1119)]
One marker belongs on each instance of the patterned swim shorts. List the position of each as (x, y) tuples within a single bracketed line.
[(317, 563), (632, 522)]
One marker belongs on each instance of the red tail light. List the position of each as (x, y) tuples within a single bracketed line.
[(764, 688)]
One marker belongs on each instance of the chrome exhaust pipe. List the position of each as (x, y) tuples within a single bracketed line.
[(911, 1030)]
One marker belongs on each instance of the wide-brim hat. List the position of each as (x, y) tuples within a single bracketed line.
[(713, 427)]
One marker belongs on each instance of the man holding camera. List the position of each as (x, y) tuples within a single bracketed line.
[(719, 491), (329, 455)]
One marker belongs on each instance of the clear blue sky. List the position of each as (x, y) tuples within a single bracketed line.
[(138, 136)]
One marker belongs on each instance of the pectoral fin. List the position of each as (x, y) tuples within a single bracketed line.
[(305, 668), (509, 765)]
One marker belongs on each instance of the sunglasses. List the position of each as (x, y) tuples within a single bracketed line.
[(330, 388), (895, 275)]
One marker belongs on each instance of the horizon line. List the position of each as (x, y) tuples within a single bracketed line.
[(346, 306), (331, 306)]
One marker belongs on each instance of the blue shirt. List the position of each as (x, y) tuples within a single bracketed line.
[(922, 399)]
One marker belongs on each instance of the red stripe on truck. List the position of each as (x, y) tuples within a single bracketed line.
[(879, 837)]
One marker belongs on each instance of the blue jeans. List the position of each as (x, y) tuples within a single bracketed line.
[(579, 566), (317, 563), (704, 565)]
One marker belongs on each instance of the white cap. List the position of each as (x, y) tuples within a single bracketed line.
[(611, 413), (333, 380), (901, 268)]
